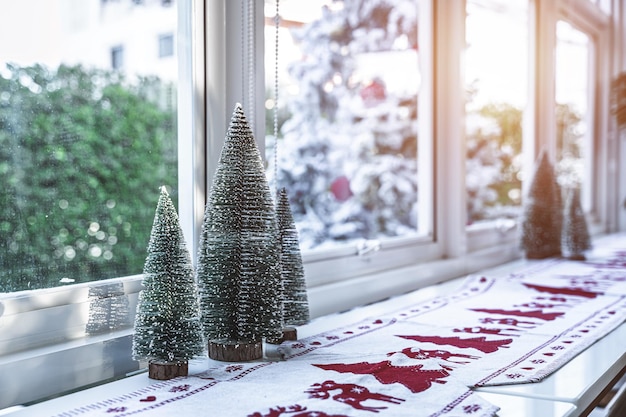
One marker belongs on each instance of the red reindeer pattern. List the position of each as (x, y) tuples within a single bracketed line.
[(574, 291), (537, 314), (294, 411), (350, 394), (413, 377), (507, 321), (485, 330), (480, 343), (422, 354)]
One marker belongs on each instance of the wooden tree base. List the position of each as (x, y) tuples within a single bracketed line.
[(289, 333), (576, 257), (227, 351), (167, 370)]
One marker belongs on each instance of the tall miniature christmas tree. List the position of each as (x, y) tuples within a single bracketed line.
[(167, 325), (295, 300), (543, 216), (575, 237), (238, 258)]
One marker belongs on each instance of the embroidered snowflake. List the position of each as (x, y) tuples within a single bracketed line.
[(180, 388), (116, 410), (358, 389), (472, 408), (558, 347), (514, 376), (536, 361)]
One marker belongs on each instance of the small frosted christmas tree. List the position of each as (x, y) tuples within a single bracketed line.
[(575, 239), (238, 258), (294, 295), (543, 216), (167, 325)]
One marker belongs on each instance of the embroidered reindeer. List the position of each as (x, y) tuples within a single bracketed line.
[(291, 410), (422, 354), (413, 377), (350, 394)]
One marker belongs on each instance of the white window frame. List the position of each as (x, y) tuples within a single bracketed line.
[(539, 130), (600, 165), (591, 20), (501, 233)]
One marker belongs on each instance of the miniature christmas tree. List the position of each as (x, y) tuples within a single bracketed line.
[(575, 239), (294, 296), (543, 217), (238, 259), (167, 325)]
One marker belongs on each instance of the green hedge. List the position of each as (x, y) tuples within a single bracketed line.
[(82, 156)]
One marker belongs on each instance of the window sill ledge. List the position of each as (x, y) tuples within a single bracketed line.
[(53, 370)]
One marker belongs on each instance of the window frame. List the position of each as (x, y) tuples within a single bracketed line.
[(588, 18), (539, 129), (117, 57), (165, 45)]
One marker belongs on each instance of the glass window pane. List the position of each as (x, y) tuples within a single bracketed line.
[(572, 98), (87, 136), (496, 63), (166, 45), (349, 75)]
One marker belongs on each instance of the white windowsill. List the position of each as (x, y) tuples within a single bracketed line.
[(564, 394)]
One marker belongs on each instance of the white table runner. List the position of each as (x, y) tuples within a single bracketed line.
[(418, 361)]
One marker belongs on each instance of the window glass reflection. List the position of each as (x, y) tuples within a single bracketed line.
[(572, 98), (349, 75), (496, 64), (87, 136)]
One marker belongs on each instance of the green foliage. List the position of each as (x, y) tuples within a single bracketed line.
[(167, 324), (238, 259), (80, 151), (295, 301), (543, 215), (569, 137), (618, 99), (494, 153)]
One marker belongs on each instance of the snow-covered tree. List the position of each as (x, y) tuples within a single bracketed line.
[(575, 234), (295, 300), (543, 215), (238, 259), (348, 150), (167, 323)]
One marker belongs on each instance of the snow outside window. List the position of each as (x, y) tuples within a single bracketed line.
[(496, 94), (349, 127), (573, 117)]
